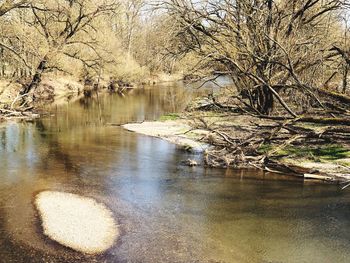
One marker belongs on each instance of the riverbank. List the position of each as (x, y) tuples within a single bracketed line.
[(52, 89), (60, 89), (55, 90), (224, 135), (178, 132)]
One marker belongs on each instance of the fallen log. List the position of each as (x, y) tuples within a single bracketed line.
[(326, 121), (317, 120), (319, 177), (334, 95)]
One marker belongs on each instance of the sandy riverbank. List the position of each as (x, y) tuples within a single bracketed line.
[(175, 131)]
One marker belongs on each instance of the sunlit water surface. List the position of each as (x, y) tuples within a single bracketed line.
[(167, 212)]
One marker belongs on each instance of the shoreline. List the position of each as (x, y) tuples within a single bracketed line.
[(181, 130), (62, 89), (52, 90), (205, 130), (177, 132)]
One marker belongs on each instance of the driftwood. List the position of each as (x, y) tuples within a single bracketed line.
[(327, 121), (335, 96), (232, 150), (22, 114)]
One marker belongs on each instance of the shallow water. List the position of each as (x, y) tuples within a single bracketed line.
[(167, 212)]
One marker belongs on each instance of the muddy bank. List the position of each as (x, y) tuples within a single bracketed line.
[(55, 90), (52, 89)]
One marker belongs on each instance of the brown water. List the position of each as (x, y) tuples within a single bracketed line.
[(167, 212)]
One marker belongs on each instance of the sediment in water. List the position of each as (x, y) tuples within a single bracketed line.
[(77, 222)]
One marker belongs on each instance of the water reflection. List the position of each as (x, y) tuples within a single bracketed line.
[(168, 212)]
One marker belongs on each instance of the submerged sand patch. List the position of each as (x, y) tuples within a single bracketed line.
[(77, 222)]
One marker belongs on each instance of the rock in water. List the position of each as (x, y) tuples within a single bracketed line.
[(77, 222)]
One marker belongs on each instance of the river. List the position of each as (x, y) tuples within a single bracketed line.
[(167, 212)]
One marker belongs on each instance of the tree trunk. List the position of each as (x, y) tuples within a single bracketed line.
[(264, 100), (345, 78), (2, 71), (36, 78)]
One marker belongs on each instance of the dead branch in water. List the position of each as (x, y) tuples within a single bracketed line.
[(22, 114)]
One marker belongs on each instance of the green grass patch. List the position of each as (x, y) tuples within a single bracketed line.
[(311, 125), (345, 163), (169, 117), (265, 148), (328, 152)]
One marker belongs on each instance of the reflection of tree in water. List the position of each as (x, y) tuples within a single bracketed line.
[(85, 102), (41, 128), (65, 140), (54, 150), (81, 152), (177, 98), (3, 138), (75, 131), (137, 105)]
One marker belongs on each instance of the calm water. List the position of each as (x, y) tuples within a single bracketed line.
[(167, 212)]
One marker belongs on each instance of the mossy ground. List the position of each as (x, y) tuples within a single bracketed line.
[(332, 158), (169, 117), (319, 153)]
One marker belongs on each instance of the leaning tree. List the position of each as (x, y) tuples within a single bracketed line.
[(68, 29)]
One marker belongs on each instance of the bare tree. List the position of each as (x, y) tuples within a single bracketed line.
[(5, 7), (267, 47), (8, 5), (342, 50), (69, 29), (132, 13)]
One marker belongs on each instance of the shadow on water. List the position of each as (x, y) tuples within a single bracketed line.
[(167, 212)]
